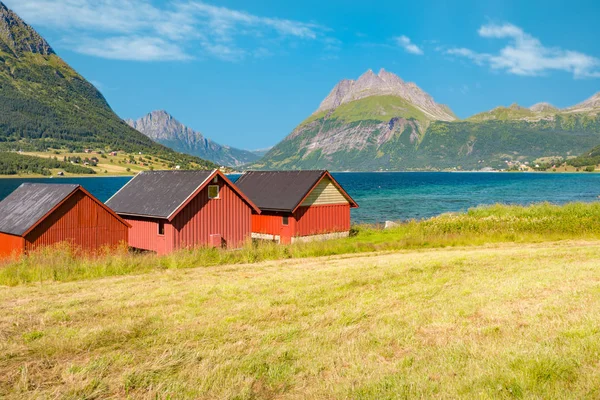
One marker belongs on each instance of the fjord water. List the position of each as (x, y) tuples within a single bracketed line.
[(407, 195)]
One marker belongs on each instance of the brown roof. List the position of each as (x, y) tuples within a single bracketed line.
[(30, 203), (161, 194), (283, 190)]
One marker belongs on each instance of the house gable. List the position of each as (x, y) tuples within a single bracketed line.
[(325, 192)]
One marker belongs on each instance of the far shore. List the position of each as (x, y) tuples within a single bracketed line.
[(38, 176)]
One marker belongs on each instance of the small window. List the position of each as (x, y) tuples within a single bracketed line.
[(213, 191), (161, 227), (286, 220)]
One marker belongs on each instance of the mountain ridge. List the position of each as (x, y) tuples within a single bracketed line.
[(163, 128), (45, 104), (381, 84), (368, 124), (18, 36)]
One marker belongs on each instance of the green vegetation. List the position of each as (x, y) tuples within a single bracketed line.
[(45, 104), (14, 163), (498, 321), (376, 108), (590, 158), (396, 136), (514, 112), (478, 226)]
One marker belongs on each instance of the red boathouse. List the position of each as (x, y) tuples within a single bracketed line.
[(297, 205), (37, 215), (170, 210)]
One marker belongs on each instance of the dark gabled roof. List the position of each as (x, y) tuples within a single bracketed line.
[(157, 193), (29, 203), (278, 190)]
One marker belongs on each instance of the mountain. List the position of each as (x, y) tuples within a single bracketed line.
[(380, 122), (589, 106), (515, 112), (260, 153), (543, 108), (370, 123), (161, 127), (45, 104), (384, 84)]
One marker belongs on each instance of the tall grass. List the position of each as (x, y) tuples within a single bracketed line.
[(481, 225)]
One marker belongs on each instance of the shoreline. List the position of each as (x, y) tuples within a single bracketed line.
[(93, 176), (90, 176)]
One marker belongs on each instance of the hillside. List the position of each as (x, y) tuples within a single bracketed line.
[(589, 158), (45, 104), (161, 127), (372, 125)]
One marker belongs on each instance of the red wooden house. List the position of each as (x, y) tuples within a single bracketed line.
[(36, 215), (170, 210), (297, 205)]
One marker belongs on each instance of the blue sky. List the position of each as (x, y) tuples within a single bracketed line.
[(245, 73)]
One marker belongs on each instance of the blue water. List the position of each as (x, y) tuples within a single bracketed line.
[(406, 195)]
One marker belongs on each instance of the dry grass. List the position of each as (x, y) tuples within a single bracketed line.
[(479, 226), (497, 321)]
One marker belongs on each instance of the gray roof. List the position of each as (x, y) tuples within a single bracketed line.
[(278, 190), (157, 193), (23, 208)]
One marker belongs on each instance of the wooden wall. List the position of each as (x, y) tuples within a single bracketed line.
[(81, 221)]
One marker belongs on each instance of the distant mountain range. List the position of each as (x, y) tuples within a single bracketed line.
[(45, 104), (380, 122), (161, 127), (377, 122)]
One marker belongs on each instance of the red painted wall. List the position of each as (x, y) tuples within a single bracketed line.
[(11, 245), (306, 221), (143, 234), (325, 218), (228, 216), (81, 221), (271, 223)]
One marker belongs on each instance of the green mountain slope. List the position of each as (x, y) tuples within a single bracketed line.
[(400, 128), (468, 145), (590, 157), (44, 103), (360, 135)]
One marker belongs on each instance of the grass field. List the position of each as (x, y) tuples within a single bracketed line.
[(111, 165), (479, 226), (501, 321), (500, 302)]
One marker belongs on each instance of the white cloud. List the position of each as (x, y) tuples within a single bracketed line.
[(406, 44), (179, 30), (131, 48), (526, 55)]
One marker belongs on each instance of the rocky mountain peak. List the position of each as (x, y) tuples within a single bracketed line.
[(384, 84), (163, 128), (543, 107), (18, 37), (589, 104)]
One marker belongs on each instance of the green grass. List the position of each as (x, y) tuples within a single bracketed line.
[(501, 321), (374, 108), (479, 226), (506, 113), (377, 108)]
